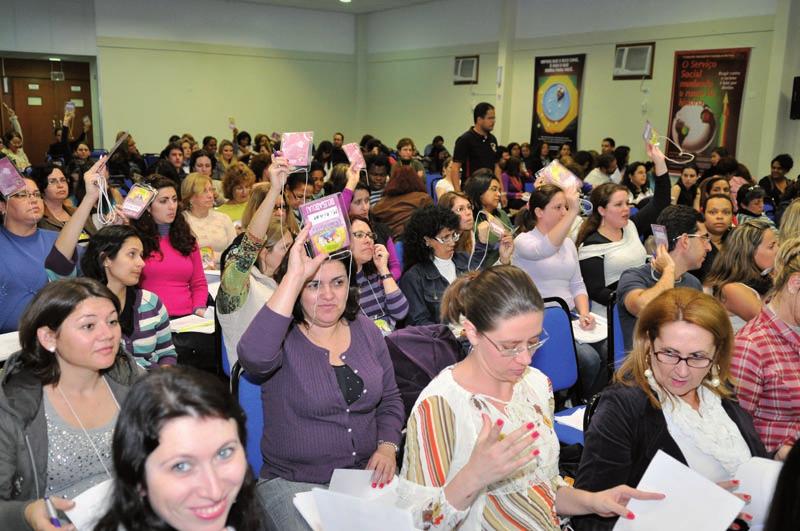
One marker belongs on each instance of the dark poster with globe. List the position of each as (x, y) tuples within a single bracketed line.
[(707, 91), (556, 100)]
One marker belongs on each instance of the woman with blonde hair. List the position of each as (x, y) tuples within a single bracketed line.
[(766, 366), (214, 230), (790, 221), (225, 154), (237, 182), (672, 393), (740, 276)]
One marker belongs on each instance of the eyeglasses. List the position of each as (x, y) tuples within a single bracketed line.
[(462, 208), (671, 357), (28, 195), (705, 237), (530, 348), (360, 235), (444, 240), (57, 181)]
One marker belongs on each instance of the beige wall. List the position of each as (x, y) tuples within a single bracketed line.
[(411, 92), (158, 88)]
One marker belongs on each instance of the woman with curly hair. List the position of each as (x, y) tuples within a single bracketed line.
[(740, 276), (237, 183), (431, 263), (173, 268)]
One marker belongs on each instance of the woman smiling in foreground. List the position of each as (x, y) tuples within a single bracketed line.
[(481, 452)]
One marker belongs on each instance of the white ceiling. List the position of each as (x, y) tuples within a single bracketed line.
[(354, 7)]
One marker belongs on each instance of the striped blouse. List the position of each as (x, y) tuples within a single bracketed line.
[(376, 304), (441, 434)]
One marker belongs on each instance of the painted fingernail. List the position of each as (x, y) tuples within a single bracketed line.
[(735, 526), (536, 452), (747, 516), (499, 422), (630, 516), (380, 486), (747, 497), (374, 485), (735, 481), (535, 434), (530, 425)]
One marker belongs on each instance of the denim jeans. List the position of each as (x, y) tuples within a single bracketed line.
[(277, 497)]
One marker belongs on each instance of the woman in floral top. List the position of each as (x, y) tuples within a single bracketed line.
[(481, 452), (249, 263)]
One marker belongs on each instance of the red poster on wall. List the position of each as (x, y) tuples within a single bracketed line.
[(707, 92)]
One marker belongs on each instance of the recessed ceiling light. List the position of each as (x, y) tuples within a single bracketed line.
[(345, 1), (54, 59)]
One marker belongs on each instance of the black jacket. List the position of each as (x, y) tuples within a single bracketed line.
[(624, 435), (423, 287)]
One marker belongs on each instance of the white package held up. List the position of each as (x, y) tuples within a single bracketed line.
[(691, 502)]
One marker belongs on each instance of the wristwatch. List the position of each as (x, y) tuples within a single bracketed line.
[(384, 277)]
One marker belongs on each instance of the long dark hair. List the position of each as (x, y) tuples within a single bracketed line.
[(425, 223), (106, 243), (49, 308), (600, 197), (476, 186), (540, 198), (180, 235), (152, 402)]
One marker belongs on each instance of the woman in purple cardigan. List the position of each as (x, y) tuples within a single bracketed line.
[(329, 392)]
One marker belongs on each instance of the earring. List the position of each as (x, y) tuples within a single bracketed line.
[(647, 372), (52, 349), (715, 376)]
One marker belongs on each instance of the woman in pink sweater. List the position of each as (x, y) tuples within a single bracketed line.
[(173, 269)]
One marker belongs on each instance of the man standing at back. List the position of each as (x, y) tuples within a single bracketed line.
[(475, 149)]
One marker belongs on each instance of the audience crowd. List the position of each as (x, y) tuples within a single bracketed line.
[(472, 247)]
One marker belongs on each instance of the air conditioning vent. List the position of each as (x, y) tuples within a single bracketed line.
[(57, 76), (465, 70), (634, 61)]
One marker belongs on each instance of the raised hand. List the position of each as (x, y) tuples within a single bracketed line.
[(278, 172), (94, 178), (300, 264), (506, 248), (380, 257)]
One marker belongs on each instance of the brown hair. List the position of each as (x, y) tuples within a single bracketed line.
[(690, 306), (403, 142), (540, 198), (488, 297), (404, 180), (600, 197), (467, 240), (736, 262), (257, 197), (237, 174)]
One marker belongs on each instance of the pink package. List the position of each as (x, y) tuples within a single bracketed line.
[(555, 173), (354, 155), (296, 147), (11, 181)]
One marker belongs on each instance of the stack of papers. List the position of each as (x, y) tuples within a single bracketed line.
[(194, 323), (598, 333), (351, 503)]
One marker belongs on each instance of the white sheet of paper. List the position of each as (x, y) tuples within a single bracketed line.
[(90, 506), (213, 288), (692, 501), (9, 344), (307, 507), (194, 323), (574, 419), (358, 483), (757, 478), (342, 512), (598, 333)]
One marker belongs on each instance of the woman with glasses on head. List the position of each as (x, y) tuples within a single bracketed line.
[(431, 261), (329, 391), (23, 249), (379, 296), (766, 365), (481, 452), (741, 275), (673, 393)]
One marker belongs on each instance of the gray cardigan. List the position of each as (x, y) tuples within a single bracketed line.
[(23, 435)]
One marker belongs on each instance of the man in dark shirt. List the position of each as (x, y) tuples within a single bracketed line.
[(688, 244), (475, 149)]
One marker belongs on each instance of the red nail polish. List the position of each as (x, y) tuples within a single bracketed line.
[(380, 486), (374, 485), (536, 452), (530, 425), (535, 434), (499, 422), (735, 481), (747, 497), (735, 527), (747, 516), (630, 516)]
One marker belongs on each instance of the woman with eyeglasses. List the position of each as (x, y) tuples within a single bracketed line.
[(329, 391), (249, 264), (379, 296), (431, 262), (481, 452), (673, 393), (741, 276), (55, 189), (23, 249), (459, 203)]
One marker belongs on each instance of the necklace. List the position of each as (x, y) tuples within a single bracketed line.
[(85, 432)]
